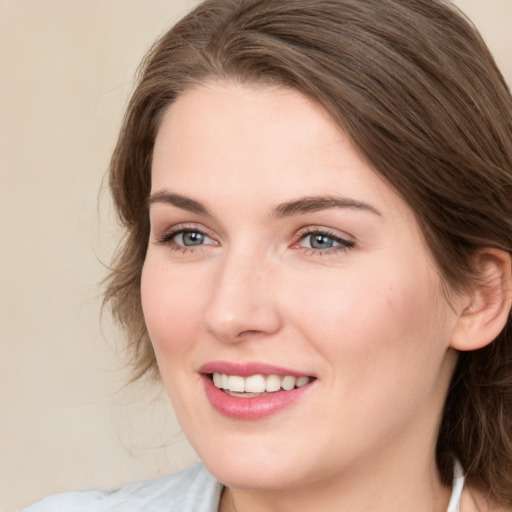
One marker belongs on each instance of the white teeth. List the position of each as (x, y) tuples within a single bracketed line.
[(273, 383), (288, 382), (258, 383), (301, 381), (236, 383), (255, 384)]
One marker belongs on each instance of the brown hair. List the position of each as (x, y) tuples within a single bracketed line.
[(415, 87)]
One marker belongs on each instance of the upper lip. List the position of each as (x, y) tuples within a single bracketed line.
[(246, 369)]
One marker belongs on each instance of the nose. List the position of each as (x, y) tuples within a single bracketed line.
[(244, 301)]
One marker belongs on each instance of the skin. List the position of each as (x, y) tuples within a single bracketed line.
[(367, 317)]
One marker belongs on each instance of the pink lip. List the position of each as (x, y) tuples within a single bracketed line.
[(249, 408), (247, 369)]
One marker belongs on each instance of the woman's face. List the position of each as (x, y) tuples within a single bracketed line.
[(278, 258)]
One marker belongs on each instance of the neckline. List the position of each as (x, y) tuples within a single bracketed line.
[(457, 486)]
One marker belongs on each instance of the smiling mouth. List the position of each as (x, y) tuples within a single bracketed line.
[(256, 385)]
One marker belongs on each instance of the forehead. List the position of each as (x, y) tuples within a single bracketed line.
[(218, 111), (221, 140)]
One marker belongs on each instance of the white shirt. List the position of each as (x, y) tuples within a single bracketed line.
[(191, 490)]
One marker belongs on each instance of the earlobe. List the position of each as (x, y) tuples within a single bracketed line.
[(486, 307)]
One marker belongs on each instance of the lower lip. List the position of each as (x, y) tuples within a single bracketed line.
[(250, 408)]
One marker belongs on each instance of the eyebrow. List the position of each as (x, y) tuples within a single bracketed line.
[(183, 202), (316, 203), (299, 206)]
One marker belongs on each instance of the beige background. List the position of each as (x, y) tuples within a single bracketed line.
[(67, 420)]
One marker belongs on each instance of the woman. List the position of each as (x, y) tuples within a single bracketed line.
[(316, 195)]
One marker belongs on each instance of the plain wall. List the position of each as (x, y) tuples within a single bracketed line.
[(67, 419)]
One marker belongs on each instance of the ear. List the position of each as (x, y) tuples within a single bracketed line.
[(485, 309)]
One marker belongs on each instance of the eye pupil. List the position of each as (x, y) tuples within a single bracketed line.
[(320, 241), (192, 238)]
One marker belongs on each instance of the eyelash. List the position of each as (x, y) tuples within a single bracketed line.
[(168, 238), (344, 244)]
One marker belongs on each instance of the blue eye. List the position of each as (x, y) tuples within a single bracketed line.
[(324, 241), (191, 238), (321, 241)]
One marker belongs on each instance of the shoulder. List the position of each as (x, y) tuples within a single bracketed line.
[(191, 490)]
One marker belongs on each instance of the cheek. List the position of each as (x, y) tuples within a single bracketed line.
[(386, 344), (170, 303), (374, 322)]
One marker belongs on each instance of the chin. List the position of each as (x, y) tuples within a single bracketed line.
[(246, 475), (257, 465)]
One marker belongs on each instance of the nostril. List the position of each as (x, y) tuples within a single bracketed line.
[(251, 333)]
